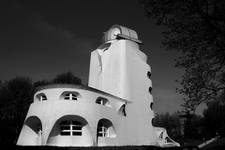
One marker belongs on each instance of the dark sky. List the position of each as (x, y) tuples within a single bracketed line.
[(40, 39)]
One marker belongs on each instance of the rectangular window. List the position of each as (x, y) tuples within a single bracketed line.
[(70, 96), (65, 133), (77, 133), (71, 128), (103, 132), (100, 134), (67, 98), (77, 128), (43, 98), (65, 127)]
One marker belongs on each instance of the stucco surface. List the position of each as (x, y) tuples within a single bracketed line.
[(119, 74)]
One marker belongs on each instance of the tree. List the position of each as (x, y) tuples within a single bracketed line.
[(214, 119), (67, 78), (196, 29), (40, 83), (170, 122), (16, 96)]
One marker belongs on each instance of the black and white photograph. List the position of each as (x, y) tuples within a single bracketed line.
[(112, 74)]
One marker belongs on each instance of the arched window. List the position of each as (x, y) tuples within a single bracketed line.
[(105, 129), (102, 101), (41, 97), (70, 128), (70, 95), (122, 110), (149, 74)]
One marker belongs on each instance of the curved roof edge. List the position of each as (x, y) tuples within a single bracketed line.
[(124, 33), (83, 87)]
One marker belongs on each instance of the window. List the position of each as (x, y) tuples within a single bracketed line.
[(161, 135), (122, 110), (70, 96), (102, 101), (41, 97), (149, 74), (151, 105), (70, 128), (150, 90), (103, 131)]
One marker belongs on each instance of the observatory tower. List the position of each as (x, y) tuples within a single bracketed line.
[(115, 109), (120, 68)]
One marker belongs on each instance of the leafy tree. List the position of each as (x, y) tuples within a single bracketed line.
[(63, 78), (40, 83), (194, 128), (15, 97), (214, 120), (67, 78), (196, 29)]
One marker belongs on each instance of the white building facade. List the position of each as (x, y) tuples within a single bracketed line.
[(114, 110)]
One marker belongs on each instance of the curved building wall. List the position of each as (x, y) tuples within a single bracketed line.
[(52, 110), (116, 108)]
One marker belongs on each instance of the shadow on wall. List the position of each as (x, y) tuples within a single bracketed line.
[(31, 131)]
